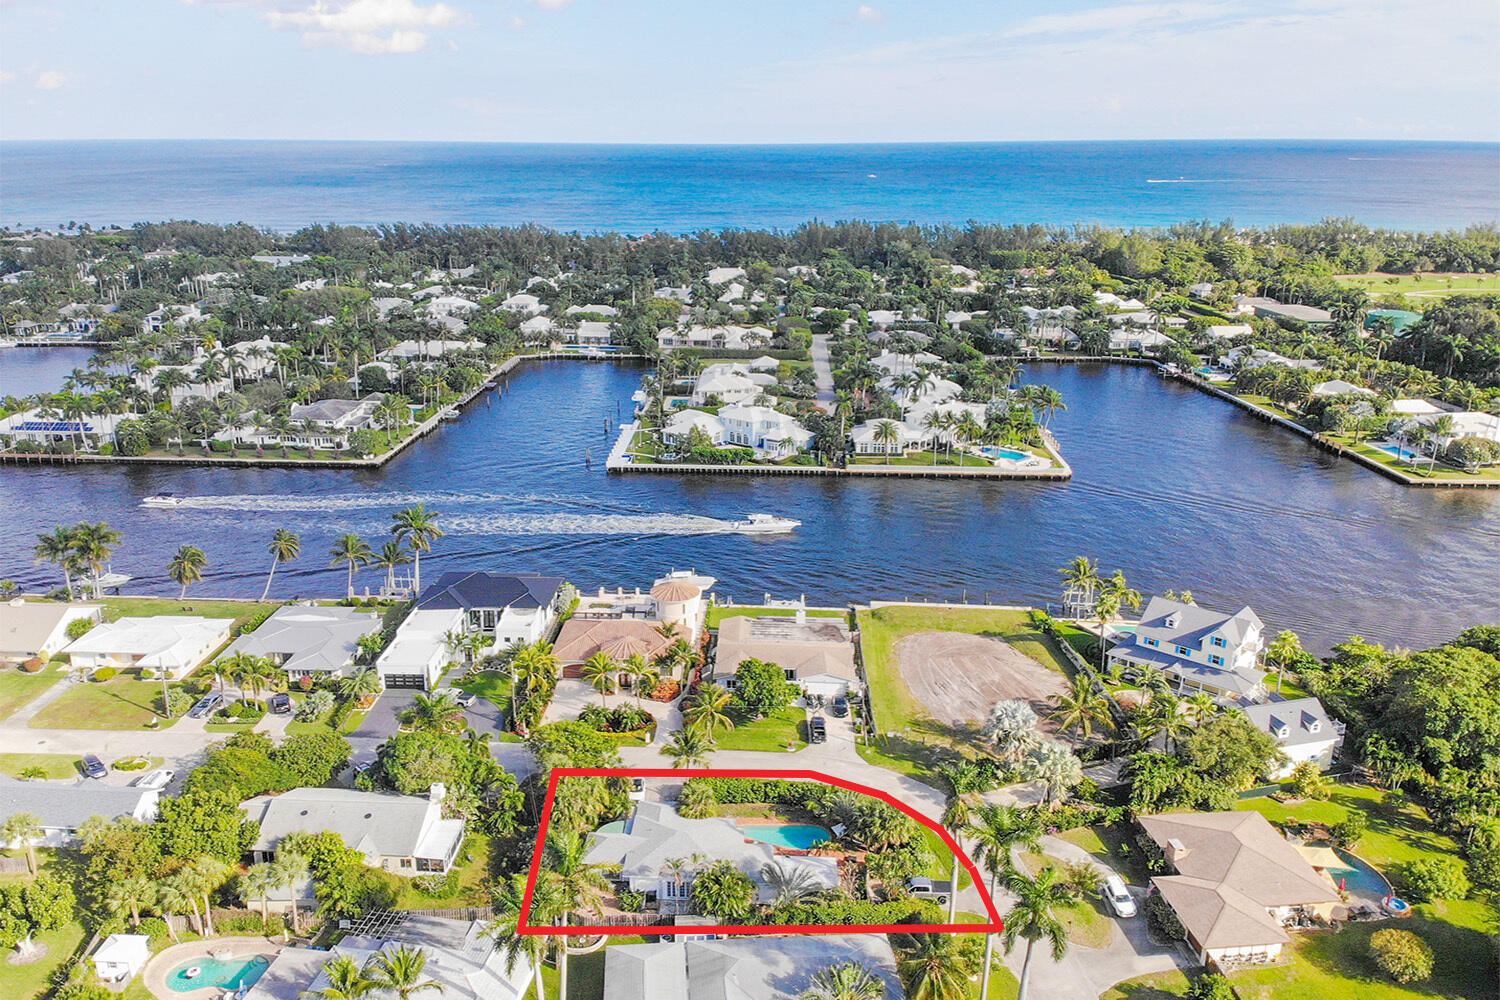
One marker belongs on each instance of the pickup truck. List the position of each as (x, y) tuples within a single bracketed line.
[(929, 888)]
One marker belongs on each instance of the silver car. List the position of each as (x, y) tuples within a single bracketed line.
[(157, 779), (1118, 896)]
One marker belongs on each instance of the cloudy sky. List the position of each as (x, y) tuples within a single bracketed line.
[(772, 70)]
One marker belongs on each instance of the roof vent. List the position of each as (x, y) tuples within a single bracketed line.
[(304, 812), (1176, 850), (369, 815)]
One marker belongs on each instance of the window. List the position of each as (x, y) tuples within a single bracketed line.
[(673, 889), (1154, 644), (1217, 661), (1218, 640), (1183, 651)]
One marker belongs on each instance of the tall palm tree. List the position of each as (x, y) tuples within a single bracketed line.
[(417, 526), (513, 945), (1081, 707), (186, 567), (887, 432), (1285, 648), (788, 883), (392, 554), (689, 747), (174, 898), (400, 971), (131, 894), (935, 967), (288, 869), (1081, 576), (346, 981), (578, 885), (849, 981), (600, 670), (24, 829), (259, 882), (208, 876), (709, 709), (997, 830), (284, 547), (57, 548), (1032, 919), (94, 544), (361, 684), (353, 551)]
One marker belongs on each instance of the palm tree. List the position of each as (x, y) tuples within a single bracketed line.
[(887, 432), (258, 882), (788, 884), (1283, 649), (346, 981), (229, 668), (936, 967), (998, 829), (353, 551), (24, 829), (57, 548), (689, 748), (1080, 577), (94, 544), (1032, 918), (131, 894), (435, 712), (1056, 767), (417, 526), (844, 982), (709, 709), (284, 547), (362, 684), (600, 670), (288, 870), (208, 874), (392, 554), (399, 971), (186, 567), (577, 884), (172, 898), (1081, 707), (504, 929)]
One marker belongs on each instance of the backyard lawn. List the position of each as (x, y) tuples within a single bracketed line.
[(718, 613), (57, 765), (773, 732), (203, 607), (1086, 922), (25, 982), (18, 688), (122, 702), (473, 866)]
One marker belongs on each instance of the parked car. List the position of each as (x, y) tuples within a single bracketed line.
[(464, 698), (928, 888), (840, 707), (281, 704), (637, 789), (93, 767), (157, 779), (206, 705), (1118, 896), (817, 730)]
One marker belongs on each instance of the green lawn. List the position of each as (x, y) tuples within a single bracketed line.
[(1156, 986), (957, 459), (773, 732), (1086, 922), (24, 982), (57, 765), (1424, 286), (1399, 831), (204, 607), (1439, 472), (122, 702), (18, 688), (472, 875), (351, 722), (585, 973), (493, 686), (718, 613), (942, 864)]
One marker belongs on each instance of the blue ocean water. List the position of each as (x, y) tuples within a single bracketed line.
[(635, 188)]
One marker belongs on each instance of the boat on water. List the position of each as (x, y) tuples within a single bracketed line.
[(448, 413), (163, 500), (764, 524), (9, 343)]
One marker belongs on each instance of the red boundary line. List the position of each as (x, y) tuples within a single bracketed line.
[(558, 773)]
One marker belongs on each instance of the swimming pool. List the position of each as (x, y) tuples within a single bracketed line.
[(1391, 449), (1014, 456), (798, 835), (1358, 877), (212, 972)]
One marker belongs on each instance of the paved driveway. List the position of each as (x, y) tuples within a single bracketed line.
[(823, 370)]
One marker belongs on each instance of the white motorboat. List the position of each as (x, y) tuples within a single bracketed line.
[(162, 500), (764, 524), (8, 343), (449, 413)]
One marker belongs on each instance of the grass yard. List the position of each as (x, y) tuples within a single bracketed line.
[(472, 875), (351, 722), (25, 982), (57, 765), (957, 459), (1420, 286), (122, 702), (18, 688), (774, 732), (492, 685), (942, 865), (585, 974), (204, 607), (1156, 986), (1438, 471), (718, 613), (1103, 843), (1086, 922)]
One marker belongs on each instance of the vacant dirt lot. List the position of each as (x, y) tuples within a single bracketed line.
[(958, 677)]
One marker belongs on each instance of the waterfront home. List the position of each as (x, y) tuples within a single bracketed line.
[(733, 338), (1416, 408), (771, 968), (193, 386), (651, 849), (507, 608), (593, 333), (1338, 387), (63, 809), (726, 387), (1302, 729), (1198, 649), (36, 630), (404, 834), (680, 424), (170, 644), (913, 434), (44, 426), (1466, 423), (309, 640), (1254, 357), (536, 326), (772, 434), (675, 599), (930, 390), (461, 957), (1235, 883), (618, 638), (412, 350), (816, 654), (1133, 339), (331, 421), (868, 438), (894, 363), (420, 650)]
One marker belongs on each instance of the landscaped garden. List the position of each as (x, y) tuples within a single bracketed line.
[(776, 731)]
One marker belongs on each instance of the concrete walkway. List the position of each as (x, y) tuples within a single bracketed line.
[(823, 371), (21, 717)]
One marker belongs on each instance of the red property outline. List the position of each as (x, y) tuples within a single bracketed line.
[(558, 773)]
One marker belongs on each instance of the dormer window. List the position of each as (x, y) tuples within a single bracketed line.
[(1218, 641), (1311, 722), (1174, 619), (1279, 729)]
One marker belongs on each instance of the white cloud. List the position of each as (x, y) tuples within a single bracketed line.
[(50, 80), (870, 14), (6, 76), (372, 27), (552, 4), (517, 23)]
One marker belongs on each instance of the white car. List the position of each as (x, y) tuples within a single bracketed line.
[(1118, 896), (157, 779)]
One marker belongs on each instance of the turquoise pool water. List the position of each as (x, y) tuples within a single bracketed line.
[(618, 826), (1357, 876), (1014, 456), (797, 835), (230, 975), (1391, 449)]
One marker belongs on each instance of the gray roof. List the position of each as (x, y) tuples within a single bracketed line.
[(370, 822), (1299, 716), (1194, 624), (778, 968), (331, 410), (309, 638), (1240, 682), (490, 590), (67, 806)]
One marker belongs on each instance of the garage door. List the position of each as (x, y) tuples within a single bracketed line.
[(405, 681)]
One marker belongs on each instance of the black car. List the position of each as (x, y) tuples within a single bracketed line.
[(840, 707), (205, 706), (281, 704), (93, 767), (817, 730)]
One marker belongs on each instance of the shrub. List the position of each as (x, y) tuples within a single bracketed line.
[(34, 665), (315, 706), (105, 673), (1308, 781), (132, 764), (440, 886), (1435, 878), (1401, 955), (1211, 987), (1346, 832), (1162, 921), (178, 702), (78, 627), (250, 923), (696, 800), (632, 902)]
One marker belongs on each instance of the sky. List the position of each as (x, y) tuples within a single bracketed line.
[(713, 71)]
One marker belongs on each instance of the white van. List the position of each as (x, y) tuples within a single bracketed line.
[(1118, 896)]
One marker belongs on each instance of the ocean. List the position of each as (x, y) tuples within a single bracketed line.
[(640, 188)]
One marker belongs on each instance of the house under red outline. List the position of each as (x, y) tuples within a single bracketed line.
[(558, 773)]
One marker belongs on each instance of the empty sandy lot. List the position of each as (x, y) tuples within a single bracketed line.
[(958, 677)]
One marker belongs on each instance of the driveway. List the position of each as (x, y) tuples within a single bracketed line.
[(823, 370)]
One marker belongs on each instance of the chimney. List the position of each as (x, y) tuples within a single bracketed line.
[(1176, 850), (438, 792)]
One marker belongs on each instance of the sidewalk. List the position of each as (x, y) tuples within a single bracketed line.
[(21, 717)]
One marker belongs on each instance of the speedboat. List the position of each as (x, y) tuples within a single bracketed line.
[(764, 524), (162, 500)]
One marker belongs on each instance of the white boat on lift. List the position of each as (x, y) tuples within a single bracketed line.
[(764, 524), (163, 500)]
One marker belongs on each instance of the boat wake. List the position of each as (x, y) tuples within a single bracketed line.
[(586, 524), (368, 501)]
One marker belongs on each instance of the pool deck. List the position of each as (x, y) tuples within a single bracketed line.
[(154, 975)]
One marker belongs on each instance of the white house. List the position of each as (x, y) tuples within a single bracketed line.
[(728, 388), (121, 956), (419, 652), (333, 420), (42, 427), (1338, 387), (1302, 728), (1198, 649), (894, 363), (31, 629), (175, 644), (593, 333), (815, 653), (507, 608), (405, 834), (63, 809), (721, 275), (593, 308), (309, 640), (680, 424), (523, 302), (769, 432), (769, 968)]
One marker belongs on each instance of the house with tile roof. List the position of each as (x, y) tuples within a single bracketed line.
[(816, 654)]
